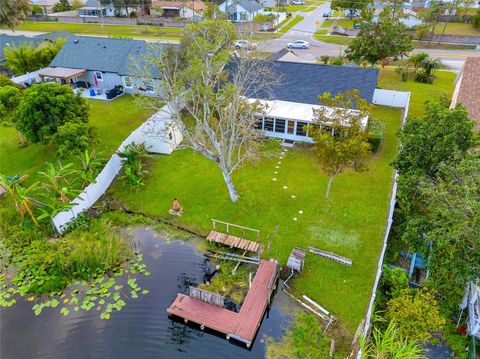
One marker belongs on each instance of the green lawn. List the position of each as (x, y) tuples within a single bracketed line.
[(291, 24), (457, 29), (327, 23), (334, 39), (113, 119), (171, 33), (351, 223), (443, 85)]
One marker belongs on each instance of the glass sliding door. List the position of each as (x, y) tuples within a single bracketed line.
[(279, 125)]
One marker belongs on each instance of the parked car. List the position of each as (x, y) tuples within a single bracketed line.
[(298, 44), (245, 44), (326, 14), (298, 2), (357, 25)]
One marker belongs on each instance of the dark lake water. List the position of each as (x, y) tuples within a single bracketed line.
[(142, 329)]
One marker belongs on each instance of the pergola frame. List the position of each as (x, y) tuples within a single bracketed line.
[(63, 73)]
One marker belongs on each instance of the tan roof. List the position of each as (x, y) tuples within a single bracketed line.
[(198, 5), (61, 72), (469, 91)]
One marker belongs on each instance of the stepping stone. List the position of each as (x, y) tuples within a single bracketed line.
[(276, 172), (279, 162), (274, 179), (277, 166), (294, 218), (300, 212), (285, 187), (281, 157), (293, 196)]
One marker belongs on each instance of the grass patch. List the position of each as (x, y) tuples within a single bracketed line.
[(456, 28), (351, 223), (321, 32), (114, 121), (443, 85), (291, 24), (266, 36), (327, 23), (332, 39), (170, 33)]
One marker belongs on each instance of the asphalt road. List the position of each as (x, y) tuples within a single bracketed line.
[(312, 21)]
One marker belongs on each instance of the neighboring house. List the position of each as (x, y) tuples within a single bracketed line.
[(47, 5), (93, 8), (467, 89), (178, 9), (290, 103), (240, 10), (107, 62)]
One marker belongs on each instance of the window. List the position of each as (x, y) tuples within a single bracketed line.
[(243, 16), (301, 130), (99, 75), (170, 135), (291, 127), (232, 16), (149, 85), (128, 82), (259, 124), (279, 125), (268, 124)]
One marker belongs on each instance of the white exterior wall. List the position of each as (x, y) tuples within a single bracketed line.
[(239, 10)]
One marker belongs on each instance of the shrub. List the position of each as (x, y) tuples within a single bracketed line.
[(324, 59), (476, 20), (133, 172), (74, 138), (376, 129), (338, 61)]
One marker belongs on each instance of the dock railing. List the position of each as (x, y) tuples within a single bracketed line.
[(242, 228)]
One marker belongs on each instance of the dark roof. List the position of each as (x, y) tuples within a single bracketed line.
[(279, 54), (303, 82), (102, 54), (52, 36), (15, 41), (249, 5)]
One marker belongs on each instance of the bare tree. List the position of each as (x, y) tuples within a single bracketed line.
[(210, 93)]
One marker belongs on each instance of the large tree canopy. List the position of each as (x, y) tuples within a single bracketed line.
[(380, 39), (11, 11), (46, 107)]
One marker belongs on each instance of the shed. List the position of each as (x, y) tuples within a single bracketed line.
[(296, 259), (161, 133)]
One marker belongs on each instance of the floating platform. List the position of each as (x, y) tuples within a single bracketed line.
[(242, 326)]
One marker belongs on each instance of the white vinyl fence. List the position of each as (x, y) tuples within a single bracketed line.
[(401, 100), (94, 191)]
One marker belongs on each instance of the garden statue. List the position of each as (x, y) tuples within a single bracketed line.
[(176, 209)]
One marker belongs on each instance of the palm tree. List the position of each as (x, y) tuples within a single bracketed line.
[(21, 196), (22, 59), (390, 345), (416, 61), (12, 10)]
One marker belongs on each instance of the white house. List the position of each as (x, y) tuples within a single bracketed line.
[(161, 133), (93, 8), (240, 10), (180, 9)]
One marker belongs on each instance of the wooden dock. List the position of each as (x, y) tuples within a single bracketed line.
[(242, 326)]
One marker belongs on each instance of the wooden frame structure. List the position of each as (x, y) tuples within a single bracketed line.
[(329, 255), (62, 73), (232, 241), (241, 326)]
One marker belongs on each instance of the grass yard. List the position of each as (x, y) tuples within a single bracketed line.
[(291, 24), (443, 85), (114, 121), (454, 28), (170, 33), (333, 39), (351, 223)]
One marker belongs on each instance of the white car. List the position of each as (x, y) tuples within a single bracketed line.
[(298, 2), (245, 44), (298, 44)]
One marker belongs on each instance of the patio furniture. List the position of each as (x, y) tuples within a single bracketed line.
[(116, 91)]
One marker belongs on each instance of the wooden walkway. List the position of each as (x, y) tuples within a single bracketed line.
[(242, 326), (234, 242)]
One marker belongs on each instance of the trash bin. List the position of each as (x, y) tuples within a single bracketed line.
[(92, 92)]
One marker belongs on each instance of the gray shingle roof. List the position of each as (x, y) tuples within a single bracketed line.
[(102, 54), (303, 82), (249, 5), (7, 41), (51, 36)]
